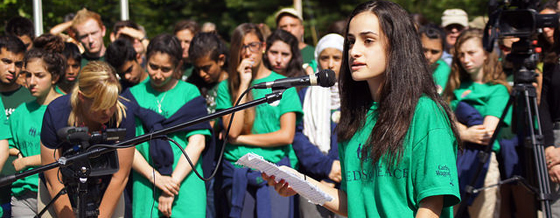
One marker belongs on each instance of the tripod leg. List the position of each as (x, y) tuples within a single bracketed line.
[(484, 156), (60, 193), (536, 140)]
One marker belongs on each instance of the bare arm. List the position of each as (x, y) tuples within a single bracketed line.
[(245, 76), (284, 136), (165, 183), (194, 149), (24, 162), (430, 207), (490, 123), (3, 152), (117, 184), (59, 28), (14, 151), (62, 206), (475, 134)]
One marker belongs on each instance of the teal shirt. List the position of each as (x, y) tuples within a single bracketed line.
[(15, 98), (441, 74), (427, 168), (188, 70), (191, 200), (25, 124), (4, 124), (489, 100), (267, 120), (307, 53), (86, 60)]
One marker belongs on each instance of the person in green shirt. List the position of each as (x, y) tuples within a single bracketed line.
[(122, 56), (477, 79), (185, 30), (73, 59), (290, 20), (5, 134), (209, 53), (90, 32), (394, 127), (432, 38), (267, 130), (282, 55), (180, 192), (43, 66)]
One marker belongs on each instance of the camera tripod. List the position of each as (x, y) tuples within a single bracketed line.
[(524, 97)]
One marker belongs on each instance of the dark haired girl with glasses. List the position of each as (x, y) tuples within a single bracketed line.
[(267, 130)]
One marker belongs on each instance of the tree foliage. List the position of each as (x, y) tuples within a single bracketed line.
[(159, 16)]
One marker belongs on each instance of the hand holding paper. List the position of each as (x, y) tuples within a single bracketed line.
[(301, 186)]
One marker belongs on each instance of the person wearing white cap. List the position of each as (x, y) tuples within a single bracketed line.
[(453, 21), (315, 143), (290, 20)]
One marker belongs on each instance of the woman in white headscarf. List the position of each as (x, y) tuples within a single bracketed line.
[(315, 142)]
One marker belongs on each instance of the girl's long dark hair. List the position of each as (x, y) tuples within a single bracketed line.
[(294, 67), (236, 47), (407, 78)]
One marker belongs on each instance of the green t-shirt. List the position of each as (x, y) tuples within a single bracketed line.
[(191, 200), (4, 124), (25, 124), (427, 168), (86, 59), (188, 69), (441, 75), (14, 98), (58, 90), (489, 100), (267, 120), (8, 168), (307, 53)]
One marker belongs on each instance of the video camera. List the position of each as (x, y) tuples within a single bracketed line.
[(96, 169), (517, 18), (524, 20)]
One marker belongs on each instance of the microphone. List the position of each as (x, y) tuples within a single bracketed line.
[(324, 78)]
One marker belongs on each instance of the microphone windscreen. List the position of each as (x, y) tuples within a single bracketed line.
[(327, 78)]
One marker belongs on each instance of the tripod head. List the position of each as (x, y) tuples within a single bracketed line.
[(524, 59)]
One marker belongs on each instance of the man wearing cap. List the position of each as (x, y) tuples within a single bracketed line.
[(453, 21), (290, 20)]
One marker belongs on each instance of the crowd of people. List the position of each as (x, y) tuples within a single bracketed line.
[(399, 134)]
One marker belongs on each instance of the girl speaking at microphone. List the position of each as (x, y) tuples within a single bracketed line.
[(394, 127)]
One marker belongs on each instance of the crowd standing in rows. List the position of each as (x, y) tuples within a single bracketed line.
[(398, 135)]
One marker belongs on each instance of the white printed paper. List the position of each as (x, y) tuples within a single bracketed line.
[(302, 187)]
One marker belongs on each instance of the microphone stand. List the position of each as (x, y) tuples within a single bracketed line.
[(97, 151)]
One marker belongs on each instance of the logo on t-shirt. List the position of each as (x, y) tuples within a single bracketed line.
[(465, 93), (32, 131), (443, 170), (359, 151)]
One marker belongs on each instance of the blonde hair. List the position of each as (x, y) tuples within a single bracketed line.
[(97, 81), (84, 15)]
